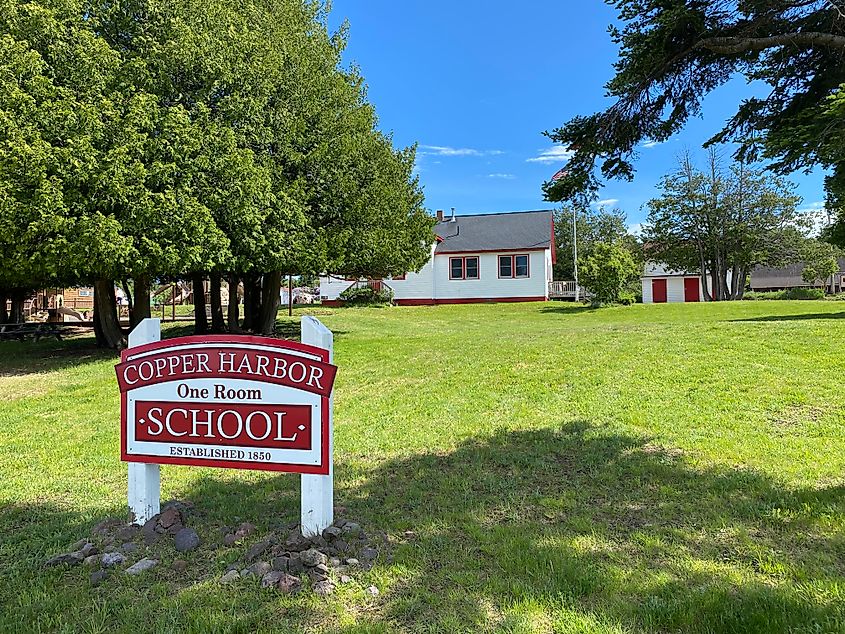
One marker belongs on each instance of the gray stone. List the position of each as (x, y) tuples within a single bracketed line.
[(340, 545), (369, 554), (244, 530), (346, 579), (256, 550), (319, 572), (334, 562), (170, 517), (296, 541), (230, 577), (66, 559), (323, 588), (79, 545), (127, 533), (312, 557), (352, 528), (89, 549), (372, 591), (246, 573), (289, 584), (229, 539), (92, 560), (98, 576), (295, 565), (271, 579), (129, 547), (281, 563), (340, 523), (260, 568), (352, 562), (141, 566), (113, 559), (186, 539)]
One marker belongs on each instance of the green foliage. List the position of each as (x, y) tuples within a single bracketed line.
[(804, 293), (366, 296), (594, 226), (145, 140), (673, 53), (821, 261), (722, 222), (764, 295), (608, 273)]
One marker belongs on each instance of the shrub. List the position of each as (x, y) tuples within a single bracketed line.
[(609, 273), (366, 296), (755, 295), (793, 293), (805, 293)]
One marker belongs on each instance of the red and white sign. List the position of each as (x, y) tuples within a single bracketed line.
[(227, 401)]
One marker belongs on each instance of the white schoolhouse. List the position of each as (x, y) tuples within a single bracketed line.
[(504, 257)]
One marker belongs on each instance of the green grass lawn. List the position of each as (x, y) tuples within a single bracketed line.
[(668, 468)]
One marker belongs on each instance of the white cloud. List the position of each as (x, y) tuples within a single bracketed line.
[(444, 150), (607, 202), (500, 176), (636, 229), (556, 154), (652, 144)]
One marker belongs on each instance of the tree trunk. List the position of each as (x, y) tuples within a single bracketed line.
[(252, 301), (4, 312), (18, 299), (106, 323), (139, 306), (200, 318), (217, 323), (234, 312), (270, 290)]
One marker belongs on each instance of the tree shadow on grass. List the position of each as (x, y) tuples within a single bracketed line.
[(609, 526), (600, 530), (799, 317), (578, 528), (20, 358), (567, 308)]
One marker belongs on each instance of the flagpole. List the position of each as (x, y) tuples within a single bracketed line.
[(575, 248)]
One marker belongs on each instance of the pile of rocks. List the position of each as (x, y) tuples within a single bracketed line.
[(114, 545), (285, 560), (286, 563)]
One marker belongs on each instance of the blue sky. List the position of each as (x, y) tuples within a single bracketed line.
[(476, 84)]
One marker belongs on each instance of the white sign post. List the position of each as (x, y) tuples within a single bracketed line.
[(317, 502), (144, 479), (212, 401)]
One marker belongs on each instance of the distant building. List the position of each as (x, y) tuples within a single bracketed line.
[(662, 285), (506, 257), (766, 278)]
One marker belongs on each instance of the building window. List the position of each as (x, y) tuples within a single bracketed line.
[(84, 292), (464, 268), (513, 266)]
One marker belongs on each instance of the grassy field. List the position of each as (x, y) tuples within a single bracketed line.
[(671, 468)]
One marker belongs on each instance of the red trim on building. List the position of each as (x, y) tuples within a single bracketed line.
[(468, 300), (457, 253)]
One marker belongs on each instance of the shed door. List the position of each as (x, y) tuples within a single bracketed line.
[(692, 292), (658, 291)]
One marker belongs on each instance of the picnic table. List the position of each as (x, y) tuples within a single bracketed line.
[(30, 330)]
